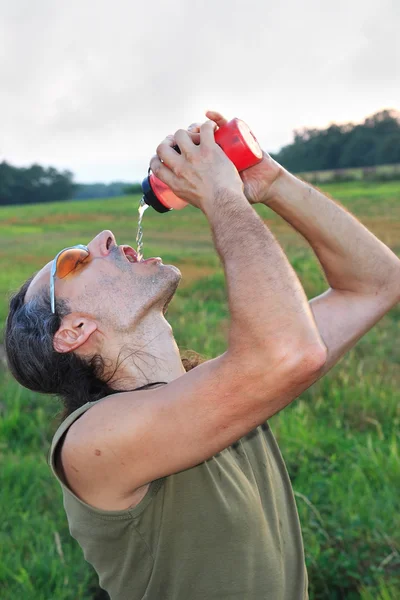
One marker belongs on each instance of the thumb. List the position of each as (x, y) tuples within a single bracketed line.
[(216, 117)]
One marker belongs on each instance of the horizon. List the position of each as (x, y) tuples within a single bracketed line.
[(126, 182)]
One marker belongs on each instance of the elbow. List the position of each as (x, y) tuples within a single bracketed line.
[(316, 356), (296, 362), (309, 361)]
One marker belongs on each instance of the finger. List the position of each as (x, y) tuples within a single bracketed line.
[(169, 156), (194, 128), (216, 117), (194, 132), (207, 133), (195, 137), (169, 140), (161, 171), (184, 141)]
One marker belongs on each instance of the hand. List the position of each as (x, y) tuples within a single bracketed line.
[(200, 171), (257, 180)]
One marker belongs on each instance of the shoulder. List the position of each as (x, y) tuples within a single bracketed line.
[(88, 459)]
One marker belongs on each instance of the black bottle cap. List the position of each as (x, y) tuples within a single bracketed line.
[(150, 198)]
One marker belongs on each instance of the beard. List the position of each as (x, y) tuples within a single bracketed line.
[(146, 290), (169, 297)]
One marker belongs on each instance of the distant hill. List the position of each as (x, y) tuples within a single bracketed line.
[(85, 191)]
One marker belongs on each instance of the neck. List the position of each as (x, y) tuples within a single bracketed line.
[(147, 356)]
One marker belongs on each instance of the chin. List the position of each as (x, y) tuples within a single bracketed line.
[(175, 276), (171, 294), (177, 271)]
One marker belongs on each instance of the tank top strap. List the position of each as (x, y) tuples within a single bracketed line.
[(148, 385)]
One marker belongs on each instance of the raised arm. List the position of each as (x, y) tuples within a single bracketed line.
[(363, 273)]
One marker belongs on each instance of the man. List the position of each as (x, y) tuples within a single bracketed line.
[(179, 492)]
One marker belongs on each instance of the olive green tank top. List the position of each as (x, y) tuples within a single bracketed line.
[(226, 529)]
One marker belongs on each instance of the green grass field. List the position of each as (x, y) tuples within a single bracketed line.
[(340, 439)]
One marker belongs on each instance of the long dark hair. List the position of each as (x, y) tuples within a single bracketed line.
[(36, 365)]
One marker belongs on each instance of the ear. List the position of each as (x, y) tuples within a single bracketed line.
[(74, 331)]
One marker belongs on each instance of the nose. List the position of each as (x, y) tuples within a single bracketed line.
[(102, 243)]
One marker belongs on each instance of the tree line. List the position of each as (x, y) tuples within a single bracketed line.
[(374, 142), (29, 185)]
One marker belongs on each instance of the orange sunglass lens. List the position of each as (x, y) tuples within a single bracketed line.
[(69, 260)]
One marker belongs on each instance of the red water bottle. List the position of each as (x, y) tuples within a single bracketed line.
[(236, 140)]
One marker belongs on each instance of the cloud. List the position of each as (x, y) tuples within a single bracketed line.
[(94, 86), (377, 61)]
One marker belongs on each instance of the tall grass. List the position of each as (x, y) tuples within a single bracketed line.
[(340, 439)]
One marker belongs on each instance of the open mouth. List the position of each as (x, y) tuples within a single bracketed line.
[(129, 254)]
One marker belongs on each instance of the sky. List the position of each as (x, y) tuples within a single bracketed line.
[(94, 86)]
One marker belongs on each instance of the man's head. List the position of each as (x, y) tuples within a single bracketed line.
[(107, 294), (102, 305)]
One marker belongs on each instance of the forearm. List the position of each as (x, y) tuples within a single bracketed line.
[(268, 306), (353, 259)]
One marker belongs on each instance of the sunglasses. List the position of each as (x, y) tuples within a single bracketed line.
[(64, 263)]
